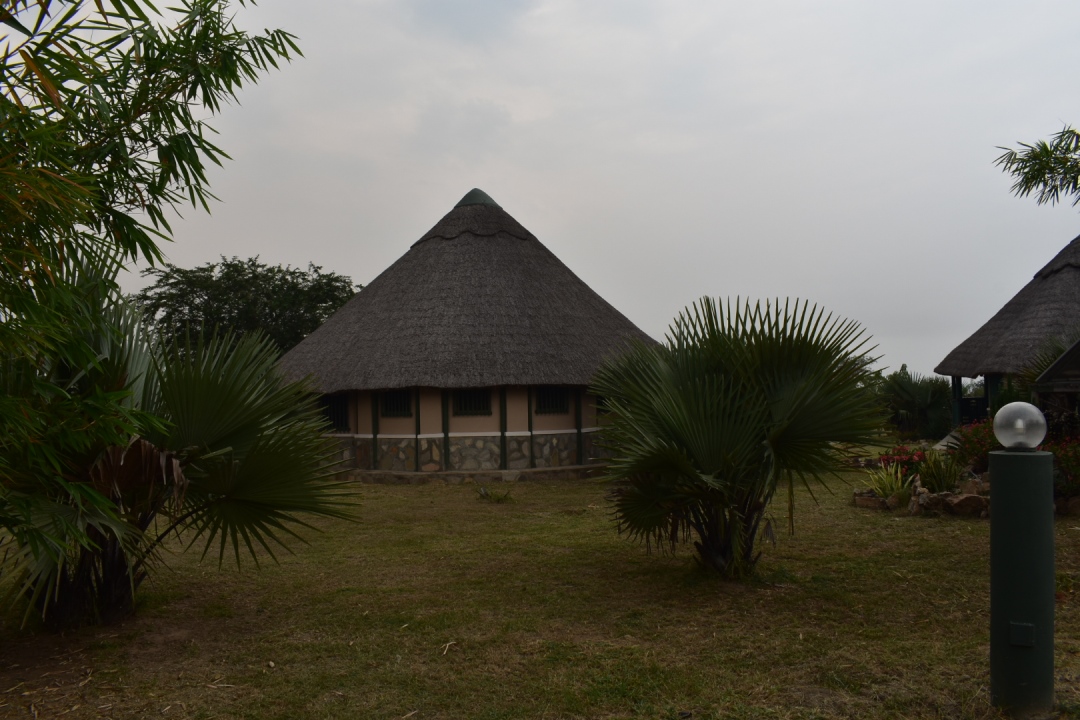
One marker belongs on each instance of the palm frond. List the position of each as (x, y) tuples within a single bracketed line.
[(258, 449), (702, 428)]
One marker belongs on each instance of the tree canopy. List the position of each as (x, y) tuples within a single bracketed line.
[(1048, 168), (241, 296)]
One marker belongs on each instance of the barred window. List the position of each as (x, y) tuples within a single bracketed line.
[(472, 401), (335, 408), (396, 403), (552, 400)]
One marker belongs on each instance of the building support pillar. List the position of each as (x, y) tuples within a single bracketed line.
[(416, 446), (532, 453), (446, 429), (957, 400), (577, 426), (374, 430), (502, 427), (992, 384)]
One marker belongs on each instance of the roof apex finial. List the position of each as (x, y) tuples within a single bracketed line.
[(476, 196)]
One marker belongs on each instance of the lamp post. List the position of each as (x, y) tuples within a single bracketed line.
[(1021, 563)]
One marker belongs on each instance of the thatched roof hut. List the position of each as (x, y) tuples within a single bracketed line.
[(477, 301), (1049, 305), (477, 309)]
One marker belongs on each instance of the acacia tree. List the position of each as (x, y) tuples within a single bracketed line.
[(241, 296), (102, 132), (1050, 169), (740, 398)]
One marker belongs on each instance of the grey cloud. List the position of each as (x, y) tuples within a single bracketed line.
[(469, 131), (469, 21)]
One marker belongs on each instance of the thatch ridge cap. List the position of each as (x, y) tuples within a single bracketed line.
[(1068, 257), (477, 219)]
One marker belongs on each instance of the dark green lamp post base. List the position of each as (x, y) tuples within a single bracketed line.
[(1022, 581)]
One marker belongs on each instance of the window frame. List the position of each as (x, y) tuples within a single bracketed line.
[(552, 400), (397, 403), (471, 402)]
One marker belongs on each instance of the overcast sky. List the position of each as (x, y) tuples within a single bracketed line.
[(836, 150)]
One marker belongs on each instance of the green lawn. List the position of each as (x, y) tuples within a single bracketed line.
[(440, 605)]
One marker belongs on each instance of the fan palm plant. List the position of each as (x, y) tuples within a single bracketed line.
[(919, 406), (236, 457), (740, 398)]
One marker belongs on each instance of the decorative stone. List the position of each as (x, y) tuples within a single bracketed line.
[(1067, 506), (966, 504), (869, 501), (975, 486)]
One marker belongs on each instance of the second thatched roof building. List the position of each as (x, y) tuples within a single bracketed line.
[(1047, 307), (473, 351)]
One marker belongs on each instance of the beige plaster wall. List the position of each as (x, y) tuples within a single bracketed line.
[(363, 413), (399, 425), (476, 423), (430, 411), (564, 421), (517, 415), (588, 410), (517, 409)]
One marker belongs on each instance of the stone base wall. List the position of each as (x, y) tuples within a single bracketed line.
[(594, 453), (517, 452), (480, 477), (555, 450), (397, 454), (431, 454), (362, 456), (346, 449), (475, 453), (468, 454)]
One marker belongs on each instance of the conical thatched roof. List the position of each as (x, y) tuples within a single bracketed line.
[(1049, 305), (476, 302)]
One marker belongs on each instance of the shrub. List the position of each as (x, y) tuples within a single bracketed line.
[(1066, 467), (919, 406), (971, 445), (907, 459), (1062, 426), (939, 472), (494, 497), (888, 480)]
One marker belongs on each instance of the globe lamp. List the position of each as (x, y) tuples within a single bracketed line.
[(1019, 426)]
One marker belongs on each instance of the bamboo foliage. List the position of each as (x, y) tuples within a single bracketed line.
[(103, 131)]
